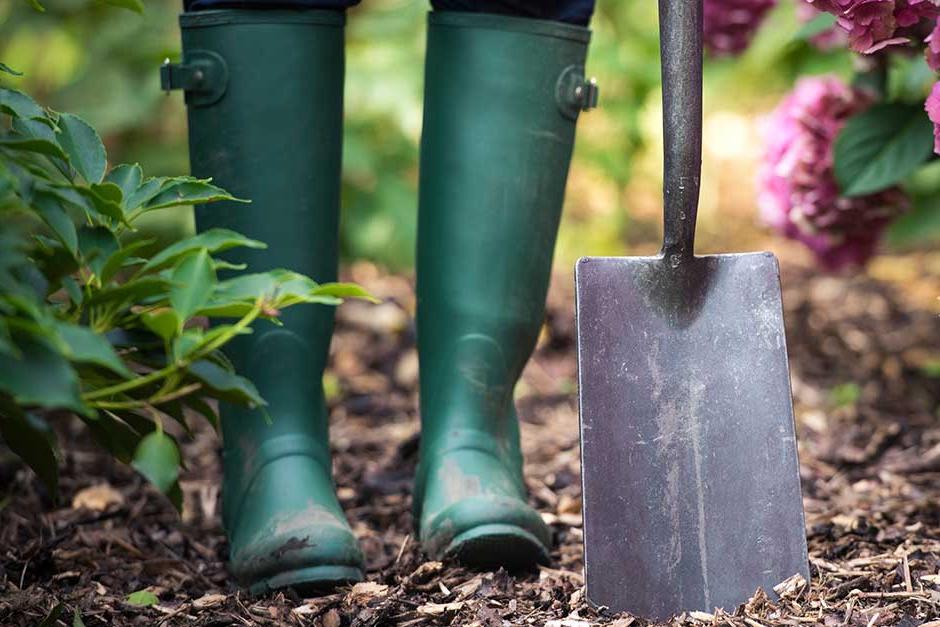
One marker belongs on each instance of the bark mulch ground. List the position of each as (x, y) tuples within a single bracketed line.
[(865, 354)]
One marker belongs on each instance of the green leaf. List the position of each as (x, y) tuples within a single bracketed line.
[(121, 257), (136, 291), (77, 618), (71, 288), (116, 435), (192, 282), (213, 240), (34, 145), (186, 343), (228, 386), (158, 459), (18, 104), (142, 598), (6, 68), (85, 151), (50, 209), (163, 322), (137, 6), (344, 290), (188, 192), (33, 441), (36, 5), (921, 225), (147, 190), (85, 346), (816, 26), (127, 177), (40, 376), (881, 146), (96, 245), (103, 201)]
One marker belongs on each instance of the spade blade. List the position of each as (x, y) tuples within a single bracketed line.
[(690, 474)]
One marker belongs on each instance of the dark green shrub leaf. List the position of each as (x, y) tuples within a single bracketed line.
[(18, 104), (83, 146), (186, 343), (120, 258), (33, 441), (32, 144), (158, 459), (127, 177), (49, 207), (213, 240), (187, 192), (142, 598), (116, 435), (85, 346), (193, 280), (881, 147), (164, 322), (227, 385), (101, 203), (343, 290), (96, 244), (137, 290), (40, 377)]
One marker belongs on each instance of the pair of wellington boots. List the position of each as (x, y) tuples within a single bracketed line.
[(264, 90)]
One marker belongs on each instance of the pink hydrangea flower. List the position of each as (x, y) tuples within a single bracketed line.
[(933, 112), (799, 196), (933, 47), (730, 25), (874, 24)]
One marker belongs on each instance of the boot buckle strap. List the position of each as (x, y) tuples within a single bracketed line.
[(575, 93), (203, 77)]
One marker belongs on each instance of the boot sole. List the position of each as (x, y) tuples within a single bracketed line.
[(491, 546), (314, 580)]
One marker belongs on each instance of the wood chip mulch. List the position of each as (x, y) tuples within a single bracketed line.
[(866, 379)]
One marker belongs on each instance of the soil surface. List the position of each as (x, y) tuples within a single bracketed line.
[(865, 356)]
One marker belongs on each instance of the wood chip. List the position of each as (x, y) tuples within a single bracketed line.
[(437, 609)]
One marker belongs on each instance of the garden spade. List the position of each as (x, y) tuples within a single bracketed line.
[(689, 462)]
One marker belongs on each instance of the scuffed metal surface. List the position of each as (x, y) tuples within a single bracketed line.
[(691, 479)]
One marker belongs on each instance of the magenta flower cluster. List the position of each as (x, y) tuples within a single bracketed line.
[(731, 24), (799, 196), (876, 24)]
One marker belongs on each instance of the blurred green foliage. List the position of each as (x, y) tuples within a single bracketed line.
[(85, 57)]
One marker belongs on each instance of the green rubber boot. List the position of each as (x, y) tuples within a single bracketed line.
[(264, 91), (502, 96)]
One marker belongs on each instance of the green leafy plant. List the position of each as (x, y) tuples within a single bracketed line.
[(90, 324)]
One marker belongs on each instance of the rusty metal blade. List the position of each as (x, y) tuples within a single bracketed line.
[(689, 463)]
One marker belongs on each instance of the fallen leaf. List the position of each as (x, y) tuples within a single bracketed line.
[(97, 498), (331, 619), (208, 600), (367, 590), (142, 598)]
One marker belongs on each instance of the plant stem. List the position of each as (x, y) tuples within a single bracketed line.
[(156, 375)]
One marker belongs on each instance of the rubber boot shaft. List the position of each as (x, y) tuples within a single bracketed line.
[(495, 151), (274, 137)]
